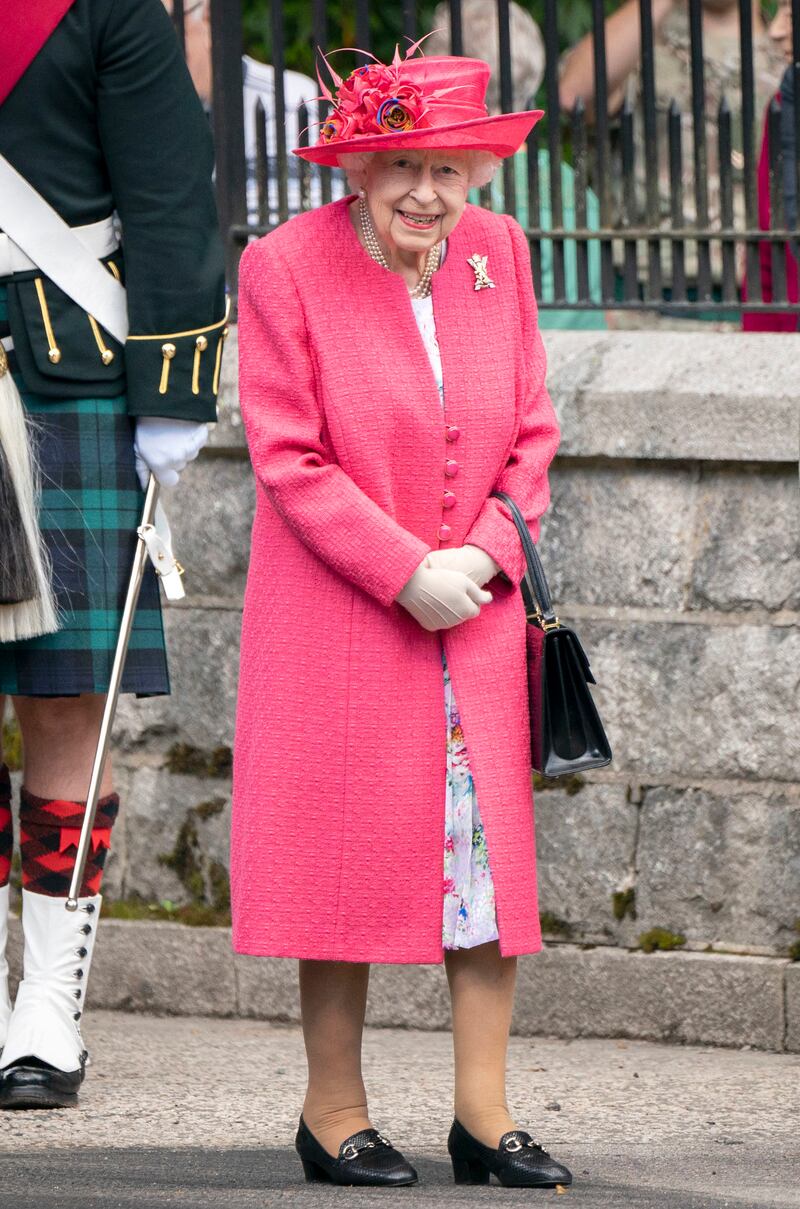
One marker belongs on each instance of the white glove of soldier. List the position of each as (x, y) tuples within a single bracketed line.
[(165, 446), (471, 560), (439, 598)]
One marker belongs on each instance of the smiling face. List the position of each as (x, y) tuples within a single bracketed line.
[(416, 198)]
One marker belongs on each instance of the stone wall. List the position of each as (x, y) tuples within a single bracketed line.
[(671, 545)]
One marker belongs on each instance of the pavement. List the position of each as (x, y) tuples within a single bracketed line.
[(200, 1112)]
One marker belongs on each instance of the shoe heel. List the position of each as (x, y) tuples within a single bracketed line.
[(470, 1171), (314, 1174)]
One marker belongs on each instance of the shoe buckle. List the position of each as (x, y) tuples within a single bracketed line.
[(352, 1152), (513, 1146)]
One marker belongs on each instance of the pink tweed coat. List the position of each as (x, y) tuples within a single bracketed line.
[(339, 766)]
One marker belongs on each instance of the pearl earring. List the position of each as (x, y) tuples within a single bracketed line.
[(362, 193)]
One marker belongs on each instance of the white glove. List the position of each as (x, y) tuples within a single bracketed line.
[(164, 446), (471, 560), (439, 599)]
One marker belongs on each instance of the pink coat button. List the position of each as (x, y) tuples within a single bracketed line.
[(451, 468), (448, 499), (444, 532), (452, 433)]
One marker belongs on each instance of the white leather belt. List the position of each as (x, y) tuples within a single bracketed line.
[(100, 238)]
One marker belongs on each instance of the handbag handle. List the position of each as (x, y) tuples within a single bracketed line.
[(535, 590)]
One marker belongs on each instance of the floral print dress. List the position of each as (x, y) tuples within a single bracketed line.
[(469, 916)]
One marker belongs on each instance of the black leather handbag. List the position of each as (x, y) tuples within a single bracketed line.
[(567, 735)]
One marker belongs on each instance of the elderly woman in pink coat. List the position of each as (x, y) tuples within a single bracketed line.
[(392, 378)]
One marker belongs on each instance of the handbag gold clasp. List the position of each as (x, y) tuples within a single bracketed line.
[(537, 617)]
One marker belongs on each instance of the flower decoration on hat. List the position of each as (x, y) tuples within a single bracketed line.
[(376, 99)]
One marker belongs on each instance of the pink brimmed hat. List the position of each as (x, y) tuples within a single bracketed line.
[(436, 102)]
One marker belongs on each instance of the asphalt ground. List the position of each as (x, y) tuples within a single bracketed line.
[(201, 1112)]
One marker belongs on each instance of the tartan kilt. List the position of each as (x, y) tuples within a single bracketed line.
[(90, 507)]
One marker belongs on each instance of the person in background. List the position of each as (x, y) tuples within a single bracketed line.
[(481, 40), (780, 31), (258, 84), (672, 47), (101, 119)]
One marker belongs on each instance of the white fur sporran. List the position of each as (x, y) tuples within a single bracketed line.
[(23, 557)]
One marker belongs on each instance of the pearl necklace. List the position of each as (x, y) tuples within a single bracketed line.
[(423, 287)]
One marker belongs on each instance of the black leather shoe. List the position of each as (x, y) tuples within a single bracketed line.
[(518, 1161), (364, 1158), (31, 1083)]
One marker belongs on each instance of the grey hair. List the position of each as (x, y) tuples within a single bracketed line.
[(481, 40), (482, 166)]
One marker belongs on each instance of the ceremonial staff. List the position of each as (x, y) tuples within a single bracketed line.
[(153, 542)]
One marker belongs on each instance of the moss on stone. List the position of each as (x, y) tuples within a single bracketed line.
[(220, 762), (555, 926), (193, 915), (569, 785), (794, 949), (207, 810), (187, 760), (183, 858), (12, 745), (219, 885), (205, 880), (661, 938), (623, 902)]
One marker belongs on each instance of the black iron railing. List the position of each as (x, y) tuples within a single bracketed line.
[(628, 243)]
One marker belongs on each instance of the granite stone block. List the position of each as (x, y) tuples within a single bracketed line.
[(177, 837), (698, 700), (747, 554), (792, 977), (696, 395), (721, 868), (266, 987), (585, 853), (203, 646), (687, 997), (594, 555), (211, 517)]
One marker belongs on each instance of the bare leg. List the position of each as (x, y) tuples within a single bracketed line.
[(482, 995), (333, 1000), (59, 737)]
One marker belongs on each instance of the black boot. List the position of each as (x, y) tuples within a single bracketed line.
[(518, 1161), (31, 1083), (364, 1158)]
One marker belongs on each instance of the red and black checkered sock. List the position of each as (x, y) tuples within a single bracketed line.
[(6, 830), (49, 831)]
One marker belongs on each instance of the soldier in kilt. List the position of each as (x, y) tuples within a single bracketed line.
[(99, 115)]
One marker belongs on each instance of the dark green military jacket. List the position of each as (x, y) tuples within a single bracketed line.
[(106, 119)]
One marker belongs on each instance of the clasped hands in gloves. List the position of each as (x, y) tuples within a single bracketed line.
[(165, 447), (447, 587)]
